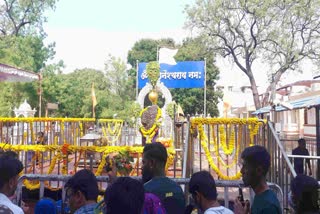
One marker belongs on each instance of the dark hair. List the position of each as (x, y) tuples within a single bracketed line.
[(9, 154), (257, 156), (9, 168), (204, 183), (302, 140), (40, 134), (125, 195), (156, 151), (86, 182), (305, 190)]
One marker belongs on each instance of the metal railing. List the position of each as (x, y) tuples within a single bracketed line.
[(281, 170), (313, 163), (223, 186), (194, 158)]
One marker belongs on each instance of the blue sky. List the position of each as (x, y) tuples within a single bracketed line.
[(86, 32)]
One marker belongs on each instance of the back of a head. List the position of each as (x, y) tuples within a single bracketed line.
[(125, 195), (9, 168), (257, 156), (45, 206), (86, 182), (40, 134), (156, 151), (10, 154), (305, 190), (302, 142), (204, 183)]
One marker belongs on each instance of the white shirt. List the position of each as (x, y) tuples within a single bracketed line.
[(218, 210), (4, 200)]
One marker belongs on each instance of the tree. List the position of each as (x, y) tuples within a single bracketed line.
[(27, 52), (121, 93), (280, 33), (23, 17), (195, 49), (145, 50)]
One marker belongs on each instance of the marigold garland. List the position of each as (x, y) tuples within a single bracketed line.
[(227, 149), (196, 125), (253, 131), (44, 119), (235, 158), (235, 121), (62, 150), (150, 133), (115, 133), (210, 160)]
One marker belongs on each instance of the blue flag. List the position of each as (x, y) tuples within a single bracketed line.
[(188, 74)]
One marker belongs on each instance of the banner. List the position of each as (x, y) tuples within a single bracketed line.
[(188, 74)]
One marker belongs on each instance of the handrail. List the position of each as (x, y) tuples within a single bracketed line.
[(219, 183), (284, 154), (304, 156)]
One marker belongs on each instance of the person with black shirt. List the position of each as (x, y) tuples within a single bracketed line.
[(298, 162)]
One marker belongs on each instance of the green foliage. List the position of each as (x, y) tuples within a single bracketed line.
[(279, 33), (135, 109), (153, 72), (191, 100), (23, 17), (144, 50), (170, 109), (27, 52), (21, 45)]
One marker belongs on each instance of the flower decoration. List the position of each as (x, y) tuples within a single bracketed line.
[(167, 142), (122, 161), (150, 123), (153, 72)]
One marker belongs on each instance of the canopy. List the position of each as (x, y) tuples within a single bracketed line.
[(296, 104), (12, 74)]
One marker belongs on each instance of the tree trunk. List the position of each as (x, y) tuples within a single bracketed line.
[(255, 93), (269, 95)]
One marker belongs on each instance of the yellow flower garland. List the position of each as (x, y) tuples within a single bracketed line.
[(253, 131), (44, 119), (197, 124), (196, 121), (234, 161), (149, 133), (210, 160), (116, 131), (227, 149), (101, 165), (57, 149)]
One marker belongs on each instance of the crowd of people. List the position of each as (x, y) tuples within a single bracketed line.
[(155, 193)]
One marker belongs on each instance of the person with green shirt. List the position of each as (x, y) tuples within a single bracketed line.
[(255, 165), (155, 181)]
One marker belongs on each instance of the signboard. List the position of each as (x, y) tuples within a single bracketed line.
[(188, 74), (52, 106)]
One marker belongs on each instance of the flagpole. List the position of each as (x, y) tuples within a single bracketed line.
[(137, 79), (93, 112), (158, 53), (205, 89), (93, 106), (94, 100)]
